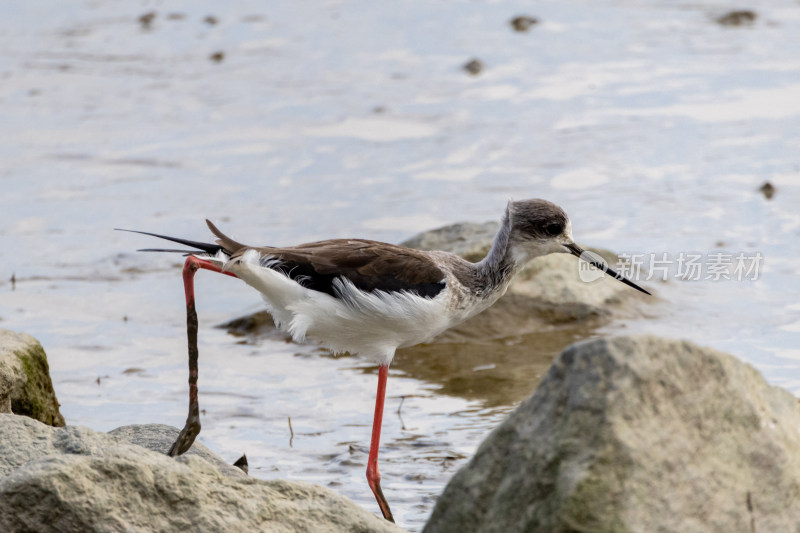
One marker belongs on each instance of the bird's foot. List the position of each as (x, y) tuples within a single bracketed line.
[(186, 437), (375, 485)]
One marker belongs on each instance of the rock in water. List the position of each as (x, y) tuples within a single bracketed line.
[(768, 190), (473, 66), (25, 384), (737, 18), (241, 464), (523, 23), (75, 479), (636, 434), (470, 240)]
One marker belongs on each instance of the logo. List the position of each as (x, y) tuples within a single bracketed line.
[(587, 272)]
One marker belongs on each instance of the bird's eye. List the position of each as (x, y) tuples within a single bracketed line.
[(553, 229)]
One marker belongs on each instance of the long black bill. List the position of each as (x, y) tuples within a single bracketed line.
[(576, 250)]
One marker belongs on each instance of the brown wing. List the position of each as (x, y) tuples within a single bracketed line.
[(369, 265)]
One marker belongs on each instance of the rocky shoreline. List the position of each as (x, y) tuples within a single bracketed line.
[(630, 433), (624, 434), (76, 479)]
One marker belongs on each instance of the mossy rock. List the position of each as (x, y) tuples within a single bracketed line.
[(25, 384)]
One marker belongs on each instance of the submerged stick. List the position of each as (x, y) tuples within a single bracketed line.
[(400, 416)]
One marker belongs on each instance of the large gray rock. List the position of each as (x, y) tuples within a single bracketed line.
[(159, 438), (74, 479), (25, 384), (636, 434)]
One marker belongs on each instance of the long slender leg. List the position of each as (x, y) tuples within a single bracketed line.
[(373, 476), (192, 427)]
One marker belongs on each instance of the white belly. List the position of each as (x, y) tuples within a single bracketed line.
[(371, 324)]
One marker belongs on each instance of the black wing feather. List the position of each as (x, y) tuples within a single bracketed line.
[(308, 277), (371, 266), (208, 248)]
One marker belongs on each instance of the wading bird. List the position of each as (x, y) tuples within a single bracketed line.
[(370, 298)]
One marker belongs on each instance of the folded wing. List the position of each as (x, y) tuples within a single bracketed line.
[(369, 265)]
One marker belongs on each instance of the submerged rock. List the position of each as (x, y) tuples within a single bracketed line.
[(523, 23), (241, 464), (76, 479), (472, 241), (146, 20), (768, 190), (25, 384), (473, 66), (737, 18), (636, 434)]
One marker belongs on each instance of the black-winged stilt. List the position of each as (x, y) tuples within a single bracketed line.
[(370, 298)]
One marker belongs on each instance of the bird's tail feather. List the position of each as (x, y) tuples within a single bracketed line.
[(208, 248)]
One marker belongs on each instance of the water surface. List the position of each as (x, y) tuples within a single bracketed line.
[(652, 125)]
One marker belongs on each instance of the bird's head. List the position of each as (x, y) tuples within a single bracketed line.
[(537, 227)]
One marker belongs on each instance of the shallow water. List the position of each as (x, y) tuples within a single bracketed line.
[(649, 123)]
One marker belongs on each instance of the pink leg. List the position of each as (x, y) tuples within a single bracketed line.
[(192, 427), (373, 476)]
